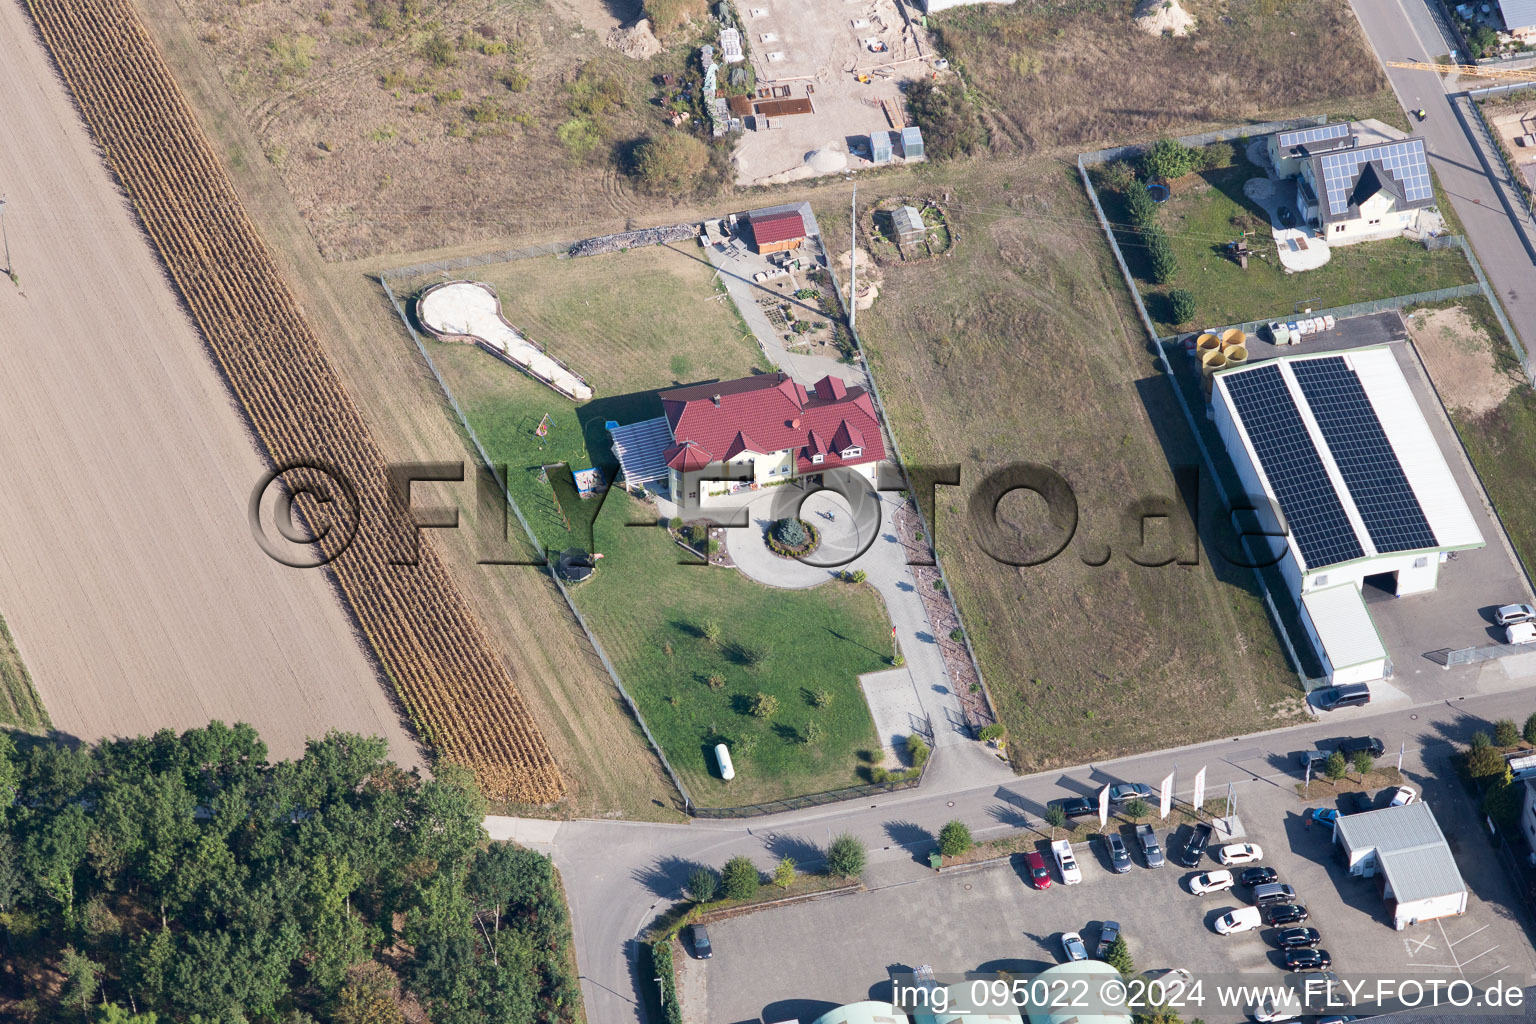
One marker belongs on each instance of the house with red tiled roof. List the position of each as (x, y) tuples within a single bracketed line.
[(777, 228), (742, 435)]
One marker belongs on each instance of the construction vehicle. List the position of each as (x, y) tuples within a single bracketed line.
[(861, 78)]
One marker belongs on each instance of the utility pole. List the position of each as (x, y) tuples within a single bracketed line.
[(853, 257), (4, 236)]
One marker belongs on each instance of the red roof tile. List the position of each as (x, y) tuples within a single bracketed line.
[(777, 227), (769, 413), (687, 457)]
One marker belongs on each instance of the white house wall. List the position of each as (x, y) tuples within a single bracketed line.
[(1411, 578), (1430, 909)]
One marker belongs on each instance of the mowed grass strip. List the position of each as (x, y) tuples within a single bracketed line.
[(19, 703), (1208, 210), (1022, 347), (632, 323)]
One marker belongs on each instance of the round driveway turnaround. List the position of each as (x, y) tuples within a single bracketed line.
[(841, 538)]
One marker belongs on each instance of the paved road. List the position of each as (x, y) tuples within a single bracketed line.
[(619, 875), (1405, 30)]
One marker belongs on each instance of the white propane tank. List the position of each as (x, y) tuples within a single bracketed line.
[(723, 755)]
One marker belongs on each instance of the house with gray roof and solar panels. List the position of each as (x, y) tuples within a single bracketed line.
[(1519, 19), (1351, 192), (1348, 483)]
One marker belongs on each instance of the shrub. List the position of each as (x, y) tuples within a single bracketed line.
[(1529, 732), (846, 856), (716, 681), (438, 51), (1336, 766), (675, 523), (1480, 739), (955, 839), (1364, 762), (1217, 156), (1135, 809), (579, 136), (947, 117), (661, 963), (293, 54), (1118, 175), (1181, 303), (821, 698), (668, 16), (784, 873), (1505, 734), (917, 750), (898, 660), (995, 731), (859, 576), (1484, 761), (703, 883), (710, 631), (741, 878), (1057, 818), (764, 705), (1163, 263), (485, 112), (1168, 158), (670, 162), (957, 634), (1140, 210), (790, 531), (1119, 956), (515, 81)]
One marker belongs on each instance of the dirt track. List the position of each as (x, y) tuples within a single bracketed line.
[(127, 571)]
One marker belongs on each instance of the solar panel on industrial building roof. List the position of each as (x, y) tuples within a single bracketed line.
[(1313, 512), (1303, 136), (1363, 454), (1405, 161)]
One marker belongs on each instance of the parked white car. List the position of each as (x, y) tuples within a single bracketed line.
[(1240, 853), (1071, 874), (1520, 633), (1242, 919), (1513, 613), (1403, 796), (1211, 881), (1285, 1007)]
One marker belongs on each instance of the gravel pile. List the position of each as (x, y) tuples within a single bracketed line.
[(634, 239)]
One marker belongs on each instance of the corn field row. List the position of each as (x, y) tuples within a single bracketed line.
[(459, 694)]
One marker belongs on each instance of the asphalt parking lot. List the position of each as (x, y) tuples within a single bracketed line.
[(794, 963)]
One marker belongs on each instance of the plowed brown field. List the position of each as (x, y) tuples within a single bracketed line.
[(459, 694)]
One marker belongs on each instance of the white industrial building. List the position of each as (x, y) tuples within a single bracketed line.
[(1405, 848), (1336, 444)]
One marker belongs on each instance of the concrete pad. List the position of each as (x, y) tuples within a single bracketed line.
[(894, 705)]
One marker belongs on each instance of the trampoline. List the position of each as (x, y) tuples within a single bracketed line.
[(574, 565), (1158, 191)]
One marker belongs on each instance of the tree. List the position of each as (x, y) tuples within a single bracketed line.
[(955, 839), (1480, 739), (1528, 733), (1505, 734), (1118, 175), (1167, 159), (1336, 767), (763, 705), (368, 997), (670, 162), (710, 631), (1119, 956), (1055, 817), (784, 872), (1364, 762), (1136, 808), (741, 878), (82, 976), (1140, 210), (703, 883), (917, 750), (947, 117), (1160, 256), (1181, 302), (1485, 761), (846, 856)]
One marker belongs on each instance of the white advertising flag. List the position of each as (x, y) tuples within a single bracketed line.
[(1104, 807), (1199, 798), (1165, 800)]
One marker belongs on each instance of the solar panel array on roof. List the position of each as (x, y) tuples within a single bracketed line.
[(1363, 454), (1403, 160), (1305, 135), (1289, 459)]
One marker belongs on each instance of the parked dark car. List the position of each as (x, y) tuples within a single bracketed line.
[(1287, 216), (1370, 744), (1350, 695), (1075, 806), (1109, 931), (701, 947), (1196, 845), (1119, 856), (1308, 960), (1286, 913), (1356, 802), (1298, 938), (1260, 875)]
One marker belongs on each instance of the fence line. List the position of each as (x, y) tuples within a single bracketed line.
[(874, 392), (1459, 291), (482, 260), (485, 459), (1103, 156)]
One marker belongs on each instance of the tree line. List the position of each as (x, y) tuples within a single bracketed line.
[(186, 878)]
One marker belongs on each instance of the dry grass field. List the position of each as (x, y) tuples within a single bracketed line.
[(1022, 348), (1081, 75), (20, 706), (128, 575)]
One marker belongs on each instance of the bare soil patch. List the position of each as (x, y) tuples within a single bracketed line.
[(1459, 356)]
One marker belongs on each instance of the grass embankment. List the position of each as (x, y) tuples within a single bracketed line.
[(1022, 347), (632, 323), (19, 703), (1208, 210)]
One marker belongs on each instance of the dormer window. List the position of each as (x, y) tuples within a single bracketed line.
[(851, 453), (817, 458)]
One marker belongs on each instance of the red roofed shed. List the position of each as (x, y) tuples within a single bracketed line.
[(777, 232)]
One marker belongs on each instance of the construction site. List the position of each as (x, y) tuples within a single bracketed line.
[(829, 88)]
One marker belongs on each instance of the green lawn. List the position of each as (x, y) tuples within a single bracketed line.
[(19, 702), (633, 323), (1208, 209)]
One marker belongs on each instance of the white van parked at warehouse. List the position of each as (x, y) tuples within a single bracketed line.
[(1520, 633), (1243, 919)]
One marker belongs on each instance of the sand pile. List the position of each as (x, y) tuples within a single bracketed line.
[(869, 277), (637, 42), (1156, 17)]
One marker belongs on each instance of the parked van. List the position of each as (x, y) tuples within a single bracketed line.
[(1243, 919), (1272, 894), (1520, 633)]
